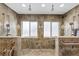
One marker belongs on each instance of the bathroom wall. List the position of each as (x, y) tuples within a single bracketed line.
[(7, 16), (40, 19), (69, 17)]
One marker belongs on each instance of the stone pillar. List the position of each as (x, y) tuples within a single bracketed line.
[(18, 46), (56, 46)]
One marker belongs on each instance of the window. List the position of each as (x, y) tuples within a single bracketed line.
[(25, 29), (47, 29), (29, 29), (55, 28), (33, 29), (51, 29)]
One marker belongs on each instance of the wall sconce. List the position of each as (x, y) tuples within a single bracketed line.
[(8, 29), (72, 28), (18, 26), (62, 27), (40, 26)]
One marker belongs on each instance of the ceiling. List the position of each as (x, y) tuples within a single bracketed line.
[(36, 8)]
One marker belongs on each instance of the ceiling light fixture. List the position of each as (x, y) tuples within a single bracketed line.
[(43, 5), (30, 7), (52, 7), (23, 5), (61, 5)]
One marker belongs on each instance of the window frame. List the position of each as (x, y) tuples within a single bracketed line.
[(29, 29), (51, 29)]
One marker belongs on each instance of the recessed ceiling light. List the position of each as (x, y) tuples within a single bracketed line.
[(61, 5), (23, 5), (43, 5)]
